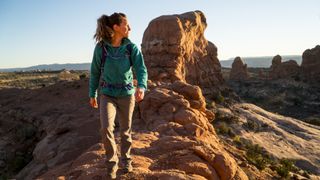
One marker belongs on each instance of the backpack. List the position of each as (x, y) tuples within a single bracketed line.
[(103, 60), (105, 52)]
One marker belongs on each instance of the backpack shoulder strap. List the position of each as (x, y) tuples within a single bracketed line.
[(103, 56), (129, 52)]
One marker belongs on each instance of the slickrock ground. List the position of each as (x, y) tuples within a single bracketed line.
[(280, 136)]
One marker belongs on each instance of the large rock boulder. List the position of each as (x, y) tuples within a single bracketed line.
[(179, 110), (283, 70), (311, 64), (174, 48), (239, 70)]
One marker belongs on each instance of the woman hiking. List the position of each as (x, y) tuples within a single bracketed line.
[(114, 59)]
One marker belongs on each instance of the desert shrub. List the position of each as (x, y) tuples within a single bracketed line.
[(67, 76), (284, 167), (237, 140), (227, 117), (83, 76), (255, 155), (219, 98), (29, 80), (9, 75), (222, 128), (222, 122), (283, 172), (252, 125), (210, 104)]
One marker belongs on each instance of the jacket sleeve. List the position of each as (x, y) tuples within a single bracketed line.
[(95, 72), (139, 67)]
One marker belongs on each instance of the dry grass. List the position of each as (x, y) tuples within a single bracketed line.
[(33, 80)]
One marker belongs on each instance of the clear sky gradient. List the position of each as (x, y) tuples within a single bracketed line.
[(36, 32)]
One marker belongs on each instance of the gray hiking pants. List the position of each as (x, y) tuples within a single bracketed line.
[(122, 107)]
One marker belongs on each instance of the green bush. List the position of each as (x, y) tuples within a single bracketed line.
[(252, 125), (255, 154), (219, 98), (229, 118), (283, 172), (284, 167), (83, 76), (222, 128), (210, 104), (237, 140)]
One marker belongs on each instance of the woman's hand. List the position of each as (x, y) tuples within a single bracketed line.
[(139, 95), (93, 103)]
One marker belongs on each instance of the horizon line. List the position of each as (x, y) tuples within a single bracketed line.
[(46, 64)]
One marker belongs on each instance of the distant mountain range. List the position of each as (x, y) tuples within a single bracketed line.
[(264, 61), (51, 67)]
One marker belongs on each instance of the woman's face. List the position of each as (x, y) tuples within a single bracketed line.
[(123, 29)]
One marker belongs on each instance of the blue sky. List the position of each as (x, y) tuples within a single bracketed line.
[(36, 32)]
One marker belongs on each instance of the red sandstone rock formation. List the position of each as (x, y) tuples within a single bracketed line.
[(276, 61), (239, 70), (311, 64), (287, 69), (174, 48)]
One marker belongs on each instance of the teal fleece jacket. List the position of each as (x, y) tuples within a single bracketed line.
[(117, 69)]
